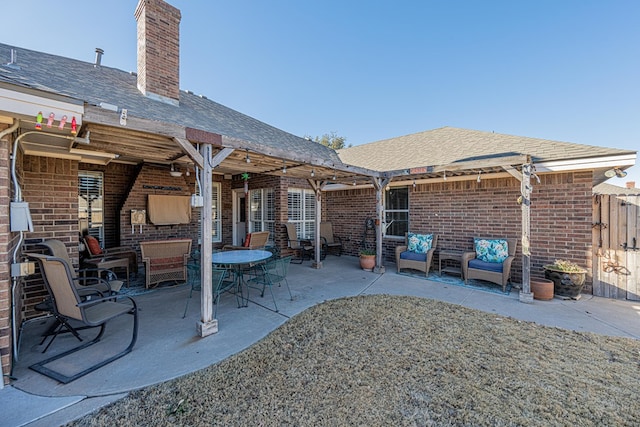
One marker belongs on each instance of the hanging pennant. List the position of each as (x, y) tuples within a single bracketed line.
[(39, 121)]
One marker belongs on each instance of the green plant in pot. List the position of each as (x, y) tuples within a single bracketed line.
[(367, 259), (568, 278)]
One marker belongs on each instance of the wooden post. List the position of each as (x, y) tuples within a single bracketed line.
[(207, 324), (317, 188), (379, 184), (525, 190)]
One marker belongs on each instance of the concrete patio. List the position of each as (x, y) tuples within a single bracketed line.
[(169, 347)]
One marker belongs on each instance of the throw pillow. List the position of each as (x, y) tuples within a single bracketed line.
[(491, 250), (93, 245), (419, 243)]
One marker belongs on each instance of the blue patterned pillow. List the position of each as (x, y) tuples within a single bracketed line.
[(491, 250), (419, 243)]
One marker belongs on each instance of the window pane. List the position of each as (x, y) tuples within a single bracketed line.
[(400, 224), (90, 203), (397, 198)]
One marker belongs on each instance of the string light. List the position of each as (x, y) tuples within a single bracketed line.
[(313, 173), (414, 184), (284, 168), (479, 179), (444, 175), (247, 158)]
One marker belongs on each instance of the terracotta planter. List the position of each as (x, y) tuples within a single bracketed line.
[(367, 262), (566, 284), (542, 288)]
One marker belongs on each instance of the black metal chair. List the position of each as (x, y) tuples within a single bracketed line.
[(69, 305)]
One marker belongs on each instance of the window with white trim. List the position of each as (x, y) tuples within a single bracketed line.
[(301, 208), (90, 203), (216, 226), (262, 210), (396, 210)]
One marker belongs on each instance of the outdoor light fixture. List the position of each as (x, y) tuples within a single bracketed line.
[(615, 172), (479, 179), (174, 173)]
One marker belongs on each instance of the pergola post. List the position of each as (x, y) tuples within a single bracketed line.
[(207, 324), (317, 188), (379, 184), (525, 189)]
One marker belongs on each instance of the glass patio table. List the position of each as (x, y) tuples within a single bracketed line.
[(237, 261)]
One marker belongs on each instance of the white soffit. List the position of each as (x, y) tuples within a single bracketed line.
[(25, 104), (590, 163)]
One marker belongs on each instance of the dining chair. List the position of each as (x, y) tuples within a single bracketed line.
[(273, 272), (218, 284)]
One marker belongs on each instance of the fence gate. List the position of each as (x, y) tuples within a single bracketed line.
[(616, 246)]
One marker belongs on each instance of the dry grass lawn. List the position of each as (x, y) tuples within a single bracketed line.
[(386, 360)]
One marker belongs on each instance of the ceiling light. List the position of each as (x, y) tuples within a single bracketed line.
[(174, 173)]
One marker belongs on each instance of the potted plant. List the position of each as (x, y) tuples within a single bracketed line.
[(568, 278), (367, 259)]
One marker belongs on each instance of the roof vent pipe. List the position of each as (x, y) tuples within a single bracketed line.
[(99, 53)]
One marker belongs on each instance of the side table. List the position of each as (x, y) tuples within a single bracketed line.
[(450, 255), (109, 262)]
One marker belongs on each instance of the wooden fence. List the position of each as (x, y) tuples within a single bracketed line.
[(616, 246)]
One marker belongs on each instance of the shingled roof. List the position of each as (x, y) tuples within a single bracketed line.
[(96, 85), (448, 145)]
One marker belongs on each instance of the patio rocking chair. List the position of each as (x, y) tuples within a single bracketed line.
[(69, 306), (302, 248), (330, 240), (273, 272)]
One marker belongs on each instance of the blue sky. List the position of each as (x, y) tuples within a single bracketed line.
[(566, 70)]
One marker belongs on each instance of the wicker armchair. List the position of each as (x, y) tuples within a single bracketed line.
[(413, 260), (496, 272)]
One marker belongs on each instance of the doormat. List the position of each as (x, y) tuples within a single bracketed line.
[(480, 285)]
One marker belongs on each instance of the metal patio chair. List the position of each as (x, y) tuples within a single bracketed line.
[(69, 306), (273, 272)]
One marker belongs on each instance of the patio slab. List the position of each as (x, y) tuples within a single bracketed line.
[(168, 345)]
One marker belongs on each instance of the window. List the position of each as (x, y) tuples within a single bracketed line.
[(216, 227), (396, 207), (301, 208), (263, 211), (90, 203)]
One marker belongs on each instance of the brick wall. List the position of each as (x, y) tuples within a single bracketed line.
[(6, 246), (458, 211)]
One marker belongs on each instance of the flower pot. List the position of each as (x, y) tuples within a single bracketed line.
[(367, 262), (542, 288), (566, 284)]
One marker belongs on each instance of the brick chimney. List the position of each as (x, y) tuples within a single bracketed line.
[(158, 50), (630, 184)]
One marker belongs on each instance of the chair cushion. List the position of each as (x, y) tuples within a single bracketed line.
[(93, 245), (491, 250), (413, 256), (247, 240), (487, 266), (420, 243)]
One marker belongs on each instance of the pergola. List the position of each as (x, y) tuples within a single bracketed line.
[(106, 136)]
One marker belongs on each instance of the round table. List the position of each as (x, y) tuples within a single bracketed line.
[(237, 260)]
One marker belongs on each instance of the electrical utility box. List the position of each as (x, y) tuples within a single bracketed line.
[(20, 217)]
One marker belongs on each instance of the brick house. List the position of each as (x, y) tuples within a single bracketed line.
[(134, 130)]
